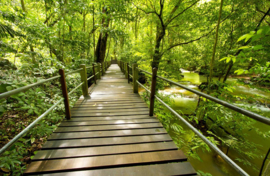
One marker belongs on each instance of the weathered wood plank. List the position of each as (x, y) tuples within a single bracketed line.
[(180, 169), (79, 119), (98, 134), (89, 114), (105, 161), (111, 122), (108, 110), (100, 107), (107, 150), (108, 127), (75, 143)]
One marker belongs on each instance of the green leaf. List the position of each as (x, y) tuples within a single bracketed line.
[(33, 140), (258, 47)]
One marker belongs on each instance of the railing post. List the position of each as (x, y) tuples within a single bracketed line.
[(135, 77), (98, 68), (153, 91), (102, 68), (65, 93), (94, 73), (128, 72), (84, 80)]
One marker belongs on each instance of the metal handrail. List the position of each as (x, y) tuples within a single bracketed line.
[(145, 71), (90, 77), (17, 137), (221, 102), (209, 143), (15, 91), (74, 71), (75, 88), (143, 87), (224, 103)]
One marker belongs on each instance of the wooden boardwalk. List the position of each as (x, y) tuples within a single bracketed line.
[(110, 134)]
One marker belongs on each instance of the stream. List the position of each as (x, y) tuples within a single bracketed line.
[(186, 102)]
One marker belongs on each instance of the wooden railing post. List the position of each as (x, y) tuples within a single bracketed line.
[(94, 73), (102, 68), (128, 72), (84, 80), (98, 68), (135, 77), (153, 91), (65, 93)]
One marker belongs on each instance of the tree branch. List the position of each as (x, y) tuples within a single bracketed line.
[(170, 20), (184, 43)]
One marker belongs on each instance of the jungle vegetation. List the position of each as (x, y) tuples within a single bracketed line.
[(215, 38)]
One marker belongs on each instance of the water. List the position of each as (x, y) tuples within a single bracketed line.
[(186, 102)]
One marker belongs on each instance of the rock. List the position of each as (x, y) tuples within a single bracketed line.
[(7, 65)]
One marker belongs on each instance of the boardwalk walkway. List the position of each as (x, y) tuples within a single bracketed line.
[(110, 134)]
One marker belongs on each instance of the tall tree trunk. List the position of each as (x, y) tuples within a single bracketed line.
[(157, 55), (216, 41), (23, 6), (102, 40)]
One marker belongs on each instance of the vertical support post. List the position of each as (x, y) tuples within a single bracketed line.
[(135, 77), (103, 68), (65, 93), (153, 91), (84, 80), (128, 72), (94, 73), (98, 68)]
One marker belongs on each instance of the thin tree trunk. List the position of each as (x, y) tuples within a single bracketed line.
[(23, 6), (216, 41)]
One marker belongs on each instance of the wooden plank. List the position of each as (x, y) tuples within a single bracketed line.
[(89, 114), (111, 122), (84, 110), (107, 150), (79, 119), (104, 161), (132, 106), (98, 134), (180, 169), (108, 127), (96, 104), (113, 81), (105, 141)]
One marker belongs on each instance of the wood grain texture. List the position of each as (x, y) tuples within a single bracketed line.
[(111, 122), (108, 127), (106, 141), (99, 134), (100, 151), (180, 169), (105, 161), (107, 134)]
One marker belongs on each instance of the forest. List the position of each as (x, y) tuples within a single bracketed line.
[(218, 47)]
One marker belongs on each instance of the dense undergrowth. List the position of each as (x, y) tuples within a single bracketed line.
[(19, 110)]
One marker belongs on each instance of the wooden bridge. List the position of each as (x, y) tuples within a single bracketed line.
[(112, 134)]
